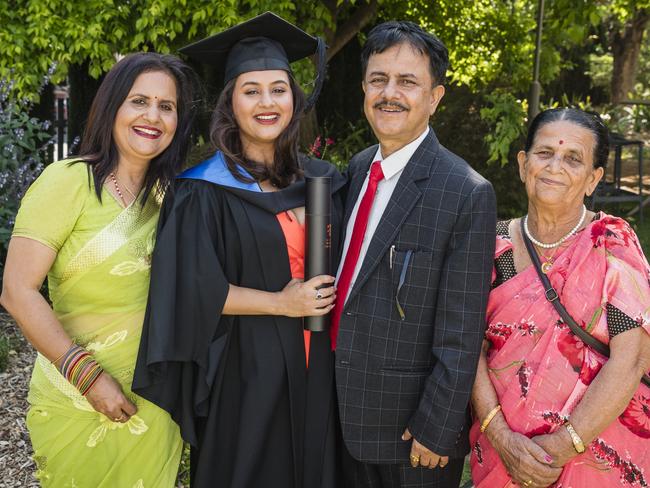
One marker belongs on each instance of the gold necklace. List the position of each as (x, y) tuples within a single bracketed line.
[(548, 260), (119, 192), (130, 192)]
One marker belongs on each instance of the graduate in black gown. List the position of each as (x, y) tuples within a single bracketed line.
[(223, 348)]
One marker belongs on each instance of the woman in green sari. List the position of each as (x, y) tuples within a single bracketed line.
[(89, 224)]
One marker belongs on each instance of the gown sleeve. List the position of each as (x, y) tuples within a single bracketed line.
[(183, 335)]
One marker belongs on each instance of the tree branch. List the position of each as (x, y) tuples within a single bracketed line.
[(330, 34), (351, 28)]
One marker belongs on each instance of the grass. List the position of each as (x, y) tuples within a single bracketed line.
[(5, 347), (467, 474), (9, 344), (183, 480)]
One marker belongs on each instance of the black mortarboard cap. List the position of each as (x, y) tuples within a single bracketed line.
[(265, 42)]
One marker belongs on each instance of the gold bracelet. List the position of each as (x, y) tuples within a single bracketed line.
[(489, 417), (578, 445), (54, 361)]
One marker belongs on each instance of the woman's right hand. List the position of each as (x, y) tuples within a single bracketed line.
[(307, 298), (526, 462), (106, 397)]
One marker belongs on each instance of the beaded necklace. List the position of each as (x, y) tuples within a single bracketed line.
[(549, 260), (119, 192), (562, 239)]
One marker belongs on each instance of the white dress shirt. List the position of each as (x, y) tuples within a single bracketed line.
[(392, 168)]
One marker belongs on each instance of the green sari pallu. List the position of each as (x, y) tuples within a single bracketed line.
[(98, 287)]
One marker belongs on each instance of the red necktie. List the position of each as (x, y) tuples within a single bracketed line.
[(352, 256)]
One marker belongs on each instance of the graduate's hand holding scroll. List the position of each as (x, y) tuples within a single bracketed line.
[(297, 299), (307, 298)]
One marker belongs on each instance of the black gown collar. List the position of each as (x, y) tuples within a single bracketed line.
[(214, 170)]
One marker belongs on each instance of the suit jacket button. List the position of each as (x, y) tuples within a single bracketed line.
[(349, 314), (343, 362)]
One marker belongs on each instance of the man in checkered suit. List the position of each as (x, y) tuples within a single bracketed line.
[(414, 277)]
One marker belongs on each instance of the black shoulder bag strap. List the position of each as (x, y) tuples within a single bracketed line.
[(553, 297)]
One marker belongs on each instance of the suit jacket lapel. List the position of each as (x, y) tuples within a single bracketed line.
[(404, 197)]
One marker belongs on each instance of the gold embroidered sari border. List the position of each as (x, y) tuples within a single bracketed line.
[(111, 238)]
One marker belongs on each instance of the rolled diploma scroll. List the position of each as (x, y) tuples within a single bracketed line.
[(318, 239)]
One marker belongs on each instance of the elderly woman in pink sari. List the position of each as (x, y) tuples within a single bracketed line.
[(550, 410)]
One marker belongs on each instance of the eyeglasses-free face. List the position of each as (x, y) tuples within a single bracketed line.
[(146, 121), (400, 95), (558, 169)]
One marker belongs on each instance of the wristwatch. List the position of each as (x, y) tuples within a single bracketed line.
[(578, 445)]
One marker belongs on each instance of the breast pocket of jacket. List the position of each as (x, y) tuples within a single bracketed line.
[(410, 275)]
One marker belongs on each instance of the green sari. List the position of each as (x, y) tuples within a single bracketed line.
[(98, 286)]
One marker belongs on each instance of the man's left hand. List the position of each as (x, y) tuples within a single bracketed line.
[(421, 456)]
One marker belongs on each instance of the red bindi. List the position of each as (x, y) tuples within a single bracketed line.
[(561, 142)]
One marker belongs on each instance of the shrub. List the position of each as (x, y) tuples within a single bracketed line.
[(9, 344), (23, 144), (506, 115), (339, 149)]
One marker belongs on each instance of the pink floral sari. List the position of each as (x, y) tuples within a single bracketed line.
[(541, 371)]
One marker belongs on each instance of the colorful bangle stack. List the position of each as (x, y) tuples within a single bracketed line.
[(80, 369)]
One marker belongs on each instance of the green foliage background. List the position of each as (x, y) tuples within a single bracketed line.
[(491, 46), (491, 43), (482, 117), (38, 32)]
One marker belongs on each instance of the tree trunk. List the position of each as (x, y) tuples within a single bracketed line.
[(357, 21), (626, 46), (337, 40)]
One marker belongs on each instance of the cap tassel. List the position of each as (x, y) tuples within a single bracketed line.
[(321, 69)]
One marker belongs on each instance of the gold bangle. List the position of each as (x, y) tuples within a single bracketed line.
[(578, 445), (54, 361), (489, 417)]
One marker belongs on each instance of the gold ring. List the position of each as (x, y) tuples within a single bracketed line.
[(119, 419), (319, 295), (528, 483), (415, 459)]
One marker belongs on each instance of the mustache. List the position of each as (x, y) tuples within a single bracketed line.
[(387, 104)]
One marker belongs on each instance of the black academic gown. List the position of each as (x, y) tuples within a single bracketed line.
[(237, 385)]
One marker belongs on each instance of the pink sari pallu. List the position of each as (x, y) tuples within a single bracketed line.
[(541, 371)]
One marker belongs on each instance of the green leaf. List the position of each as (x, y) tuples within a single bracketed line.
[(595, 18)]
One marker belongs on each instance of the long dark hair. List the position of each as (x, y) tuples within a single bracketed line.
[(224, 134), (589, 121), (98, 148)]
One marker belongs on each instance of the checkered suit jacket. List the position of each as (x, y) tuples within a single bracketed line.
[(416, 370)]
